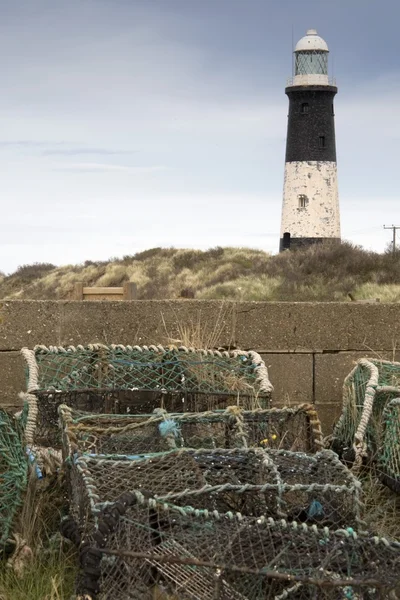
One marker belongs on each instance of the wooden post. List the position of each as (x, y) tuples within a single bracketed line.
[(130, 290), (78, 292)]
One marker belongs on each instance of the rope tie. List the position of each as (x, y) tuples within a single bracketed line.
[(21, 557)]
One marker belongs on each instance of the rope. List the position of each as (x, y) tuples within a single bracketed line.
[(260, 369), (30, 427), (33, 369), (369, 397)]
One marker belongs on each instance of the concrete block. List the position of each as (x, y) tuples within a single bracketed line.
[(331, 369), (328, 415), (317, 326), (292, 378), (148, 322), (12, 378), (27, 323), (291, 326), (268, 326), (373, 327)]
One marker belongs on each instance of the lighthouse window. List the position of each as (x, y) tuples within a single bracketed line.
[(305, 107), (311, 62), (321, 141), (303, 201)]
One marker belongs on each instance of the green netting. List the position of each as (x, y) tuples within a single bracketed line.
[(137, 380), (294, 428), (13, 472), (359, 433), (153, 368), (275, 483), (204, 525), (389, 452)]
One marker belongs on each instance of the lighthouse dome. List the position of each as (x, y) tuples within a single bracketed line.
[(311, 41)]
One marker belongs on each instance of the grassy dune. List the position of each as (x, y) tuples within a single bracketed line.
[(324, 273)]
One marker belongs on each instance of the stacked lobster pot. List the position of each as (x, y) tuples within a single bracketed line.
[(368, 430), (184, 482)]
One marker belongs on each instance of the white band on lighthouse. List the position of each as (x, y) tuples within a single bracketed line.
[(310, 206)]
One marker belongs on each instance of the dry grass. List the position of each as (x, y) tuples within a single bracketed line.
[(382, 508), (48, 577), (326, 272), (202, 333), (51, 571)]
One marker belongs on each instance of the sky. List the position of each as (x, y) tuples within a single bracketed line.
[(130, 124)]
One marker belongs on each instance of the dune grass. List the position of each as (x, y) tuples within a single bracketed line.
[(323, 272)]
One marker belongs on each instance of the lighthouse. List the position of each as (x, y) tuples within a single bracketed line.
[(310, 208)]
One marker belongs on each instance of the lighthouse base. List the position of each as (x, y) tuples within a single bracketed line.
[(293, 243)]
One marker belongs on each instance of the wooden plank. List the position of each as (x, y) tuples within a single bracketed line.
[(78, 291), (111, 297), (130, 290), (96, 291)]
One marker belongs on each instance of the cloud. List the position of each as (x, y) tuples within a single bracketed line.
[(104, 167), (61, 148), (86, 151), (28, 143)]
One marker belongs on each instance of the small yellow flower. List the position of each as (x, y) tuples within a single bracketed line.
[(274, 436), (264, 441)]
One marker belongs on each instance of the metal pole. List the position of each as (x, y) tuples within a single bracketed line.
[(394, 229)]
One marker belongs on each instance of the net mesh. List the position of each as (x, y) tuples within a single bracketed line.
[(13, 472), (136, 380), (359, 433), (296, 429), (146, 547), (276, 483), (389, 455)]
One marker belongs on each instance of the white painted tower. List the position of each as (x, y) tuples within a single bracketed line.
[(310, 209)]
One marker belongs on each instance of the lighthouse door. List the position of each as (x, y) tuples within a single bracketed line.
[(286, 241)]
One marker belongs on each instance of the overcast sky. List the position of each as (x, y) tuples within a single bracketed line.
[(129, 124)]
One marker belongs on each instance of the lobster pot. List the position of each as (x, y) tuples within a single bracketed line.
[(145, 548), (360, 431), (138, 379), (13, 472), (389, 451), (278, 484), (295, 428)]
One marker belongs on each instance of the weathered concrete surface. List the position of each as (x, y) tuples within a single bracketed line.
[(265, 326), (12, 377), (292, 377), (26, 323), (328, 415)]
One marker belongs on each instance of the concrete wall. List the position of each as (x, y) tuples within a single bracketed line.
[(308, 347)]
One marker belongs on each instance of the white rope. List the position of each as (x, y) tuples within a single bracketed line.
[(33, 368), (30, 427), (370, 392)]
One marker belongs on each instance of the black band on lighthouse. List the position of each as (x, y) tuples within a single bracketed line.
[(295, 243), (311, 125)]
